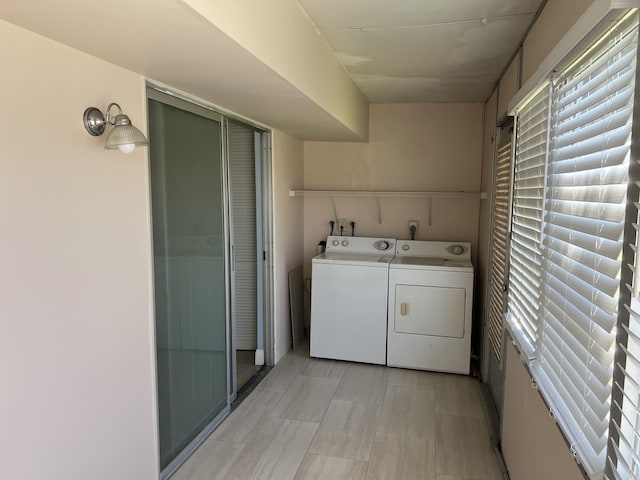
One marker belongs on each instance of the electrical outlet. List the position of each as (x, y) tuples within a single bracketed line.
[(342, 224), (413, 223)]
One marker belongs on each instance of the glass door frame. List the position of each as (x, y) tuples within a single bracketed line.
[(170, 97), (161, 97)]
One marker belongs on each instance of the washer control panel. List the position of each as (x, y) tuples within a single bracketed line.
[(338, 243), (444, 250), (361, 244)]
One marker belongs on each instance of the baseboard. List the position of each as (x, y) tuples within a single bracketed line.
[(259, 358)]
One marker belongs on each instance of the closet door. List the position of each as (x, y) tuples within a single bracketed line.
[(190, 276), (499, 266), (242, 190)]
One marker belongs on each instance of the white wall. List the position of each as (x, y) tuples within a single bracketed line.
[(76, 343), (287, 219)]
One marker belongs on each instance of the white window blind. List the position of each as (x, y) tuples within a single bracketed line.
[(526, 221), (624, 453), (499, 246), (624, 445), (587, 175)]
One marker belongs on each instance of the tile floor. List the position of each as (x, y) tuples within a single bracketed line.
[(323, 419), (245, 366)]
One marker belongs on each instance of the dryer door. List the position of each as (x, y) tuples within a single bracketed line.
[(430, 310)]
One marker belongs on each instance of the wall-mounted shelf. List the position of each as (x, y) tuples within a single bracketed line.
[(383, 193), (378, 194)]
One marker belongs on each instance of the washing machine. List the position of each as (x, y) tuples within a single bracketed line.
[(430, 306), (350, 283)]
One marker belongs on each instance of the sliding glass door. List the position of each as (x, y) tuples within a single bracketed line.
[(190, 253)]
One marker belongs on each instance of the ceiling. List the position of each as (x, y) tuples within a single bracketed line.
[(170, 43), (394, 50), (423, 50)]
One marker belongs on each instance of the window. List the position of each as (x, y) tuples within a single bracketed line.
[(624, 452), (526, 221), (624, 443), (568, 220)]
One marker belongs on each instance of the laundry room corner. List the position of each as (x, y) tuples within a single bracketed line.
[(412, 147)]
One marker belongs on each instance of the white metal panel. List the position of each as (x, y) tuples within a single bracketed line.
[(349, 312), (429, 352), (429, 310)]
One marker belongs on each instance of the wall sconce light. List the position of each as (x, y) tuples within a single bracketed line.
[(122, 136)]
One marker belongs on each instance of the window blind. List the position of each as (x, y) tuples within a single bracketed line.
[(624, 452), (590, 137), (525, 257), (624, 444), (499, 246)]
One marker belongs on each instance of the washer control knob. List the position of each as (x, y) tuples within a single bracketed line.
[(345, 243), (335, 243), (405, 247), (382, 245), (456, 249)]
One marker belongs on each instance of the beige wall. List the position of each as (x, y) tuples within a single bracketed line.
[(266, 28), (532, 446), (411, 147), (554, 21), (76, 351), (287, 217), (509, 85), (76, 305)]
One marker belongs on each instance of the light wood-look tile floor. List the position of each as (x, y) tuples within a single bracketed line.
[(323, 419)]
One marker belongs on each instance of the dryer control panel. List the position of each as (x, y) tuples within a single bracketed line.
[(445, 250)]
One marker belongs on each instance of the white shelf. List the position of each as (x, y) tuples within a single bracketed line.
[(383, 193)]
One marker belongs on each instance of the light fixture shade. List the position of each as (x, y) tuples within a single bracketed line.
[(125, 135)]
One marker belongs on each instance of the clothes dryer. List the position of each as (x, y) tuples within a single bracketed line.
[(430, 306)]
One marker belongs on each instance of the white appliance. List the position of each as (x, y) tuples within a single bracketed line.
[(349, 299), (430, 304)]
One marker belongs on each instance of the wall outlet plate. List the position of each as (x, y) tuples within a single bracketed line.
[(413, 223), (342, 224)]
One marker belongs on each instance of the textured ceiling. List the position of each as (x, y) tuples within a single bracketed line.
[(423, 50)]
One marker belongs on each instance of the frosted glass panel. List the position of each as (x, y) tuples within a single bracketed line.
[(188, 237)]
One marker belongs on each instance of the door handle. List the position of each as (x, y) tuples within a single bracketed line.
[(404, 309)]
